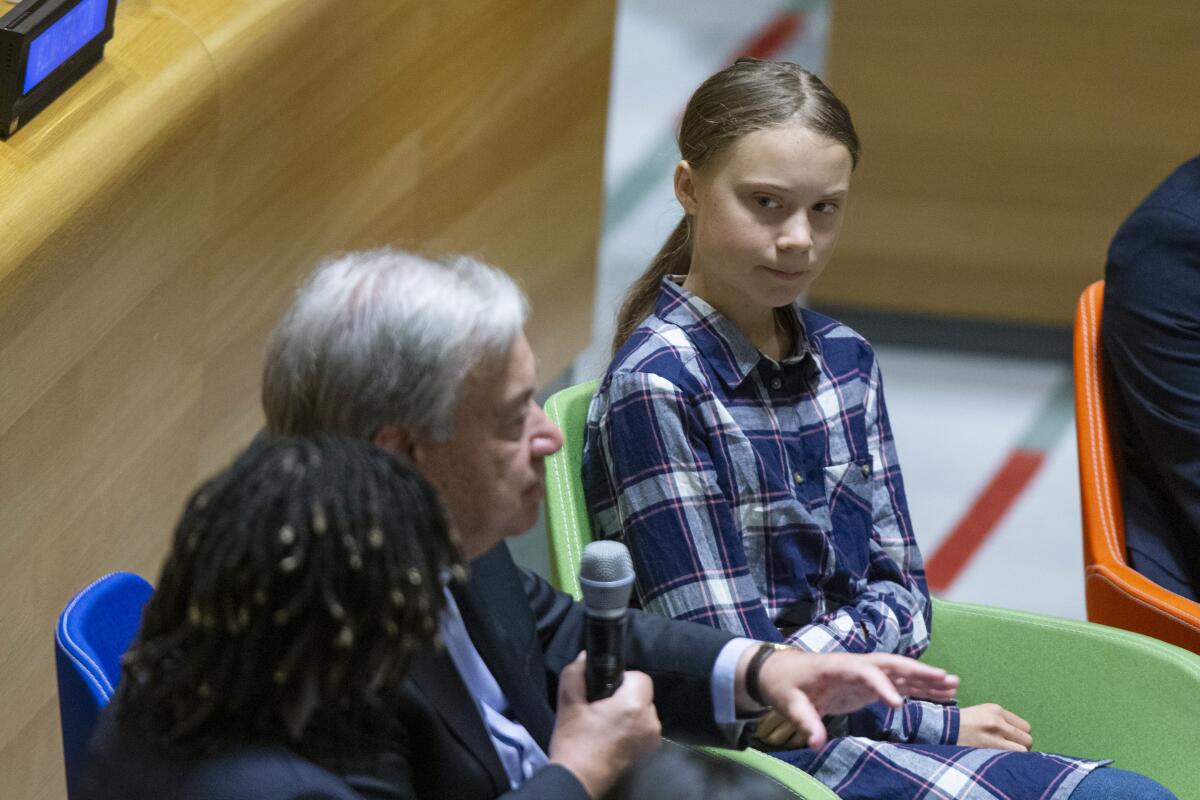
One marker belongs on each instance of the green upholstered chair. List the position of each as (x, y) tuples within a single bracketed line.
[(1088, 690)]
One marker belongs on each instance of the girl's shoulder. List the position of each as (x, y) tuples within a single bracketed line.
[(829, 337), (661, 349)]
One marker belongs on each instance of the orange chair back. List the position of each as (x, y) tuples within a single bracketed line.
[(1117, 594)]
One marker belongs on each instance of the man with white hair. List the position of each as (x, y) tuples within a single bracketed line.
[(428, 358)]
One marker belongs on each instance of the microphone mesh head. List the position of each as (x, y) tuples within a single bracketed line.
[(606, 579), (605, 562)]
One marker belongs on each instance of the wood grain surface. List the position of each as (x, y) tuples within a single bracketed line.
[(1003, 143), (158, 217)]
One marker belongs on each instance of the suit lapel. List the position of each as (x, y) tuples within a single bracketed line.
[(439, 682)]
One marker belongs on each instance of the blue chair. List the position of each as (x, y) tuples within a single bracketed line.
[(93, 632)]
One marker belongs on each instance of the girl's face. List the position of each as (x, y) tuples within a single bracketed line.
[(766, 213)]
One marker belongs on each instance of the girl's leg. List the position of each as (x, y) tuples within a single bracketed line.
[(1108, 783)]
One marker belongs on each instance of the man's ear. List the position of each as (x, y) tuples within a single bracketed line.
[(685, 187), (396, 439)]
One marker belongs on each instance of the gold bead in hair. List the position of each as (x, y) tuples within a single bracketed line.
[(345, 638), (397, 598), (391, 628), (318, 519), (336, 611), (375, 538), (287, 535), (355, 561), (195, 616), (288, 563), (414, 576)]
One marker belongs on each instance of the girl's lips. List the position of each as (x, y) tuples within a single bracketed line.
[(786, 275)]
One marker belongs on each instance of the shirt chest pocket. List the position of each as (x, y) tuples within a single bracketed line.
[(849, 489)]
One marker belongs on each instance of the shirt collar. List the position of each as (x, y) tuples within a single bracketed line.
[(722, 343)]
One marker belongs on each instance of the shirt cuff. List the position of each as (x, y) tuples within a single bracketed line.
[(724, 676)]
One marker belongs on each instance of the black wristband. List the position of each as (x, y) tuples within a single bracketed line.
[(755, 666)]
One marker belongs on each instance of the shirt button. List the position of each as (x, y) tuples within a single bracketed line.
[(798, 477), (776, 383), (866, 470)]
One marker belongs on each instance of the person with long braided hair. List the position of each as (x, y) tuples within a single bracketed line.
[(300, 583)]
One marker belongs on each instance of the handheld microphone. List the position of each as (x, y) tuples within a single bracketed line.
[(606, 575)]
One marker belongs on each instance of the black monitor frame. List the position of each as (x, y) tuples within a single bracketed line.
[(18, 29)]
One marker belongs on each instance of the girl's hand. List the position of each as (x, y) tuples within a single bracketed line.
[(776, 731), (989, 725)]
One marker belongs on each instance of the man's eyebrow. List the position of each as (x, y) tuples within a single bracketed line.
[(519, 400)]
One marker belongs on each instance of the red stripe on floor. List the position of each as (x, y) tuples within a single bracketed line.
[(961, 544), (771, 39)]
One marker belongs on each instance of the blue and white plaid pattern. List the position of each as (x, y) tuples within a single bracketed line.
[(765, 498), (862, 769), (728, 473)]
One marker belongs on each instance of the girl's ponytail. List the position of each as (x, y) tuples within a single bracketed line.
[(673, 258)]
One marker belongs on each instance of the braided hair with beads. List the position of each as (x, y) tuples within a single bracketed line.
[(300, 582)]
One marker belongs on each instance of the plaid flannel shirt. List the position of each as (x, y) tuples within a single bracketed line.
[(765, 498)]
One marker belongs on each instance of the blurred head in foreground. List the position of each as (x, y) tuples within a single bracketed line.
[(301, 580), (675, 773)]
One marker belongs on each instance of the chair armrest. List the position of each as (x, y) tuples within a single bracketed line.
[(1088, 690)]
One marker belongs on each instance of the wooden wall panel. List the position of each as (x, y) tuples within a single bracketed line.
[(1003, 145), (158, 218)]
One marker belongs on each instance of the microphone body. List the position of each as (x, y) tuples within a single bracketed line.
[(605, 642), (606, 576)]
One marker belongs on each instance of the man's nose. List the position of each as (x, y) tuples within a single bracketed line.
[(547, 439)]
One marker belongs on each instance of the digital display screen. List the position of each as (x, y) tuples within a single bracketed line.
[(63, 39)]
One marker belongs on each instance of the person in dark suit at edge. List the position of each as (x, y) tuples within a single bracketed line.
[(1150, 331), (300, 583), (428, 358)]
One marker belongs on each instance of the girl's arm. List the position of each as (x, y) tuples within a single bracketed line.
[(651, 481), (892, 611)]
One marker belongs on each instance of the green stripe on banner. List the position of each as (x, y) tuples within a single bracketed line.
[(658, 162), (1054, 417)]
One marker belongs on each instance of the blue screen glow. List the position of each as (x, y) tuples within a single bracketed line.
[(63, 39)]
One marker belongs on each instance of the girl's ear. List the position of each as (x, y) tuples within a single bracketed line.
[(685, 187)]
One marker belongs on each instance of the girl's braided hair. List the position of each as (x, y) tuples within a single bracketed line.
[(301, 581)]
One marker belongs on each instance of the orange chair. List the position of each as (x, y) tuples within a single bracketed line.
[(1117, 595)]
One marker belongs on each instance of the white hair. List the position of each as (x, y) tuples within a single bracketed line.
[(387, 337)]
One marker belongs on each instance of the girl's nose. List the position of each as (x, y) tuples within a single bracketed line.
[(796, 234)]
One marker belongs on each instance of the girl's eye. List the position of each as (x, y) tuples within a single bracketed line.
[(766, 201), (826, 208)]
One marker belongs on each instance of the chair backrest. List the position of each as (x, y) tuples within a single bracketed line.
[(567, 521), (94, 631), (1117, 594)]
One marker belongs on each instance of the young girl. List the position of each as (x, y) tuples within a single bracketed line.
[(740, 445)]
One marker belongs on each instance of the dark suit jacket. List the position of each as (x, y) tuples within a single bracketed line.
[(1151, 336), (124, 765), (527, 633)]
